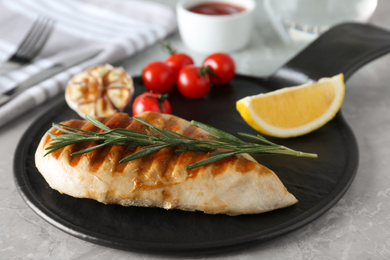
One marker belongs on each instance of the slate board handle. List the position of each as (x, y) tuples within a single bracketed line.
[(342, 49)]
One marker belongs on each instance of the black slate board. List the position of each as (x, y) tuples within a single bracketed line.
[(317, 183)]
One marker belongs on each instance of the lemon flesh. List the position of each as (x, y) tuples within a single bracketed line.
[(294, 111)]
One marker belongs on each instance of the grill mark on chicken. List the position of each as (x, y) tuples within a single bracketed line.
[(74, 160), (221, 166), (128, 149), (244, 166), (154, 170), (99, 157), (161, 179), (141, 166), (122, 152), (182, 159), (72, 123), (161, 160)]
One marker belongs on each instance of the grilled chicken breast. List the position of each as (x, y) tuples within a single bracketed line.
[(236, 185)]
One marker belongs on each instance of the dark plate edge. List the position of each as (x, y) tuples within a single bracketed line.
[(206, 248)]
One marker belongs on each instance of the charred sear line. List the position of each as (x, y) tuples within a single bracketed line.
[(100, 156), (74, 160), (72, 123), (122, 151)]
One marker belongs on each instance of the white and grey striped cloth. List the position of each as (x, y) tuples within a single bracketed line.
[(120, 28)]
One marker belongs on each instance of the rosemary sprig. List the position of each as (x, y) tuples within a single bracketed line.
[(156, 138)]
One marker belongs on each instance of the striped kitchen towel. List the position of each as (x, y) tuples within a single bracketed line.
[(119, 28)]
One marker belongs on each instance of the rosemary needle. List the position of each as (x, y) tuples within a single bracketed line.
[(156, 138)]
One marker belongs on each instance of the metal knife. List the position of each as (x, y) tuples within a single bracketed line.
[(57, 67)]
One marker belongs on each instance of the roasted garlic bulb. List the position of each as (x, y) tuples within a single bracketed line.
[(99, 91)]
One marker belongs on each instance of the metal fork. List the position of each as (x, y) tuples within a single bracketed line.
[(34, 41)]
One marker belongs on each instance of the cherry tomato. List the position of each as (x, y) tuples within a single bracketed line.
[(177, 61), (150, 101), (222, 68), (193, 82), (157, 76)]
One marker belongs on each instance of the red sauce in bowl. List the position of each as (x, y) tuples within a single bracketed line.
[(216, 8)]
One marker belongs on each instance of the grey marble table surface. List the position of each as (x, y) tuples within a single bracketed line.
[(357, 227)]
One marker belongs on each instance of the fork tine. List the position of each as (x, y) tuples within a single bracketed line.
[(34, 40), (30, 35), (40, 39)]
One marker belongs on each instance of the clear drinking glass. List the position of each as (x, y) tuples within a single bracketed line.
[(304, 20)]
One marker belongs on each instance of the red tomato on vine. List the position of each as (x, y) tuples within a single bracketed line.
[(222, 68), (158, 77), (150, 101), (193, 82), (176, 61)]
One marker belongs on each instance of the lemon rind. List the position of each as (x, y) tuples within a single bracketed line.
[(247, 113)]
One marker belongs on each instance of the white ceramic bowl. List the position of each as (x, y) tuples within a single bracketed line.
[(215, 33)]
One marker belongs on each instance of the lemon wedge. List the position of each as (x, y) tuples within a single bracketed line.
[(102, 90), (294, 111)]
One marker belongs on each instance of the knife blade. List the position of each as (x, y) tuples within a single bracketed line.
[(57, 67)]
